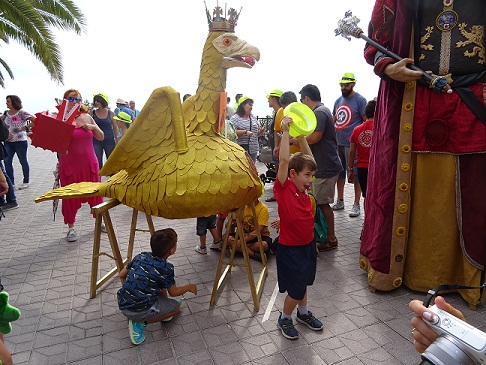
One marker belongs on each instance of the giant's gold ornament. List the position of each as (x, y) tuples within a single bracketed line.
[(171, 162)]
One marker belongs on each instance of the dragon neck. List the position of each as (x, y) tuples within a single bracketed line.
[(212, 81)]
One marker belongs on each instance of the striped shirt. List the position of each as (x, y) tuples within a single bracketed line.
[(244, 124)]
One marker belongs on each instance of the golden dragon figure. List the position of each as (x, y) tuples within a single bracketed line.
[(172, 162)]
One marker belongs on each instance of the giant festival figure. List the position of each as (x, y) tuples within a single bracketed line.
[(425, 211), (173, 162)]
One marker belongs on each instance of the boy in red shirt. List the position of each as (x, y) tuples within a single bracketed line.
[(360, 145), (296, 250)]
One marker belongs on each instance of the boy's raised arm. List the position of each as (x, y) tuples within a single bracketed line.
[(284, 153), (304, 146)]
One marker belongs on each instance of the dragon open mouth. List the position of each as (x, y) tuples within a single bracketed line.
[(248, 61)]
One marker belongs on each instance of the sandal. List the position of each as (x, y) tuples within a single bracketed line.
[(271, 199), (328, 245)]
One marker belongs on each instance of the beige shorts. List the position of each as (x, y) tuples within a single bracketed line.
[(324, 189)]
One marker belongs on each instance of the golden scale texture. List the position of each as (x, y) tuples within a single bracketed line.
[(171, 163)]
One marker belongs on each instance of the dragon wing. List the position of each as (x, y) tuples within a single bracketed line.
[(158, 130)]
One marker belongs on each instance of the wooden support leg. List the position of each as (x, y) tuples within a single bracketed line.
[(96, 257), (102, 212), (239, 235)]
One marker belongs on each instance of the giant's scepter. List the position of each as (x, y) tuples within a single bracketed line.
[(348, 26)]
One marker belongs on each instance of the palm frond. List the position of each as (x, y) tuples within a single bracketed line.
[(28, 23), (63, 14)]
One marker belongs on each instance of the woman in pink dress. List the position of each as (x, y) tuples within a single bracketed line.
[(80, 163)]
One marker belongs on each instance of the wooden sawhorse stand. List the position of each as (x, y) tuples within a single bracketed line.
[(256, 292), (103, 211)]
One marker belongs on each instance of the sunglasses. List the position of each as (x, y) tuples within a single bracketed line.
[(71, 99), (345, 85)]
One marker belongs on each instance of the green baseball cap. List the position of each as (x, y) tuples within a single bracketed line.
[(275, 92), (123, 117), (104, 96), (347, 78)]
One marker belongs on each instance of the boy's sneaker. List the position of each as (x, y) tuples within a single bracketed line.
[(136, 332), (10, 206), (170, 318), (338, 205), (23, 186), (310, 321), (103, 227), (201, 250), (216, 245), (287, 327), (71, 235), (355, 210)]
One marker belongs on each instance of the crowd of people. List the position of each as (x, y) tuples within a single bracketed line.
[(97, 130)]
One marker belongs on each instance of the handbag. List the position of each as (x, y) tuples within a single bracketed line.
[(320, 224), (3, 131), (246, 146)]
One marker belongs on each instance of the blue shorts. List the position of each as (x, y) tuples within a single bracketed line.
[(296, 268), (205, 223)]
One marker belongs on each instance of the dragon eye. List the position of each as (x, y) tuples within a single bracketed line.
[(227, 41)]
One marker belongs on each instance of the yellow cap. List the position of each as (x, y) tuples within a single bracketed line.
[(347, 78), (123, 117), (275, 92), (242, 99), (104, 96)]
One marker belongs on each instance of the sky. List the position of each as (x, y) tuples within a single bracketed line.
[(132, 47)]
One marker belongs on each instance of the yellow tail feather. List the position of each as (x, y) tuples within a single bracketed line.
[(77, 190)]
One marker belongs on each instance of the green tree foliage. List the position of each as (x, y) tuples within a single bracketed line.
[(29, 23)]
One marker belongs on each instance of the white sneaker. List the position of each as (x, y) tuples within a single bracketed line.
[(23, 186), (103, 227), (338, 205), (71, 235), (355, 210), (201, 250), (216, 246)]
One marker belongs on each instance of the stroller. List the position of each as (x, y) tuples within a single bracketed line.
[(265, 155)]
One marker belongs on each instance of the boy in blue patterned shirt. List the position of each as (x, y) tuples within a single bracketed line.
[(149, 277)]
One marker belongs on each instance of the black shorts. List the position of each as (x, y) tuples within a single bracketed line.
[(363, 179), (266, 239), (205, 223), (296, 268)]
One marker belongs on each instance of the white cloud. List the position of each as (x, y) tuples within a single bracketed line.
[(131, 48)]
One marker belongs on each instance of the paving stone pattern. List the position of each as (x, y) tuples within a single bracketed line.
[(48, 279)]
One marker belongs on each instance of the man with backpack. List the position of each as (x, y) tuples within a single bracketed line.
[(323, 145)]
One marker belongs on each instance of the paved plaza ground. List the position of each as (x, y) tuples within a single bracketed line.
[(48, 279)]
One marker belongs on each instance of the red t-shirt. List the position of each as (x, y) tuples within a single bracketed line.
[(295, 212), (361, 137)]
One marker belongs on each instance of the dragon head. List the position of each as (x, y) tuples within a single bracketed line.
[(235, 51)]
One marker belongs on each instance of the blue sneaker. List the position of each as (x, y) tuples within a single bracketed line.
[(136, 332), (170, 318), (310, 321), (287, 327)]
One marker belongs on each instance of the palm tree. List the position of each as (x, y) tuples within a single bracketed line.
[(28, 22)]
